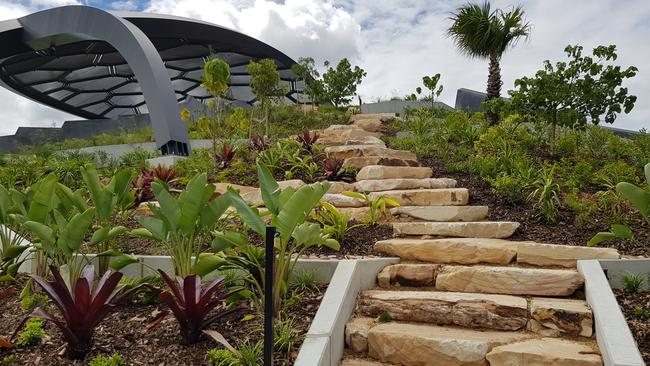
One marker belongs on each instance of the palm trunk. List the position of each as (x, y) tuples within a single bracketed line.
[(494, 86)]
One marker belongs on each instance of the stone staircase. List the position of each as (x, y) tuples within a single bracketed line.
[(462, 294)]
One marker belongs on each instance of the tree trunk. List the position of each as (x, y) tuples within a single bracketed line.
[(494, 86)]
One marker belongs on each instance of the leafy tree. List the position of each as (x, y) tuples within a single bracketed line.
[(571, 93), (306, 71), (340, 84), (216, 76), (266, 85), (481, 32), (431, 83)]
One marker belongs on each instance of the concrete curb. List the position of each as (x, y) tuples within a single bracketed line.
[(325, 340), (616, 343), (616, 268)]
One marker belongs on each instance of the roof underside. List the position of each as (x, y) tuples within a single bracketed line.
[(90, 79)]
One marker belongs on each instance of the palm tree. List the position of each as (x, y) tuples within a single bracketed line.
[(481, 32)]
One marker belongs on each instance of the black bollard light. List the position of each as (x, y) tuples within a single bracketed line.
[(268, 295)]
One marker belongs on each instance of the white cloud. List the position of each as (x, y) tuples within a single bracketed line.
[(399, 41)]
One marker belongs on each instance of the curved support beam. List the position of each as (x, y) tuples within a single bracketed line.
[(73, 23)]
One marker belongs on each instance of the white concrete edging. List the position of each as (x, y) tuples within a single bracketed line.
[(325, 340), (616, 268), (615, 340)]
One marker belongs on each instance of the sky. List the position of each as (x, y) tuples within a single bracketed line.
[(395, 41)]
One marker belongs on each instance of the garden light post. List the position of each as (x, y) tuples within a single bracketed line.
[(268, 296)]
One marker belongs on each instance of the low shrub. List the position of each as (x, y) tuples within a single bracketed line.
[(33, 333), (114, 360)]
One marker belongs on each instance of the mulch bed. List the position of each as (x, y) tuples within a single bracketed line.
[(359, 241), (124, 332), (566, 231), (639, 320)]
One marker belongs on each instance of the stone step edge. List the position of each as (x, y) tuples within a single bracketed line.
[(504, 229)]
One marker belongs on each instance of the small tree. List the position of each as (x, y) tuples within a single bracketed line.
[(571, 93), (266, 85), (216, 76), (340, 84), (431, 83), (306, 71)]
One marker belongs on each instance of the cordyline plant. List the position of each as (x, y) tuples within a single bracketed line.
[(288, 209), (141, 186), (333, 167), (82, 308), (307, 139), (225, 155), (180, 223)]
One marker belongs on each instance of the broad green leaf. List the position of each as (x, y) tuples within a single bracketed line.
[(99, 236), (73, 234), (13, 252), (73, 199), (123, 260), (42, 232), (207, 263), (191, 202), (355, 195), (43, 200), (601, 237), (638, 197), (295, 211), (155, 227), (622, 231), (247, 214), (110, 253), (143, 233), (117, 231), (224, 240), (169, 207), (310, 234), (215, 210), (269, 188)]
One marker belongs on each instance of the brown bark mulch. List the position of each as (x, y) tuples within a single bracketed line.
[(636, 307)]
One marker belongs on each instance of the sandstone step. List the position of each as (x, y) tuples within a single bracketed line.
[(426, 197), (349, 151), (362, 362), (408, 274), (497, 312), (557, 317), (359, 116), (361, 161), (371, 124), (545, 351), (356, 333), (341, 200), (450, 250), (560, 255), (254, 197), (420, 344), (477, 229), (442, 213), (336, 135), (338, 187), (508, 280), (377, 185), (393, 172)]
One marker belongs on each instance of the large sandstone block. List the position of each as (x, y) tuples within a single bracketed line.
[(509, 280), (361, 362), (336, 135), (356, 334), (221, 188), (408, 275), (478, 229), (356, 117), (442, 213), (254, 197), (500, 312), (545, 351), (339, 187), (350, 151), (369, 124), (361, 161), (560, 255), (452, 250), (428, 345), (554, 317), (341, 200), (377, 185), (393, 172), (426, 197)]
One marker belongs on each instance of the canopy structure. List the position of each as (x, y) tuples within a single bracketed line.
[(97, 64)]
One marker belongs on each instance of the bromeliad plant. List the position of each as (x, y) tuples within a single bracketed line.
[(288, 209), (182, 224)]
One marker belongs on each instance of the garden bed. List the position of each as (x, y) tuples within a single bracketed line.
[(125, 332), (636, 308)]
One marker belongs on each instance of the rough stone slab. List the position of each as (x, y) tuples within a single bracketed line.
[(341, 200), (498, 312), (377, 185), (356, 334), (442, 213), (221, 188), (255, 197), (330, 140), (361, 161), (426, 197), (349, 151), (358, 116), (452, 250), (393, 172), (408, 275), (417, 344), (545, 351), (369, 124), (477, 229), (560, 255), (554, 317), (339, 187), (509, 280), (361, 362)]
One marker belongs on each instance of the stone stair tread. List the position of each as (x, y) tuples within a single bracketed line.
[(361, 161), (393, 172), (545, 351), (353, 361), (426, 197), (450, 250), (471, 310), (377, 185), (475, 229), (441, 213), (508, 280), (541, 254), (349, 151), (554, 317)]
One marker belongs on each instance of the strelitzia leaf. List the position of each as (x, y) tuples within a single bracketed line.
[(622, 231), (120, 261), (601, 237), (206, 263)]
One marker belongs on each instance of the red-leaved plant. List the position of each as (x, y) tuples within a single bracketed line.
[(225, 156), (332, 168), (257, 143), (82, 309), (194, 306), (307, 140), (142, 184)]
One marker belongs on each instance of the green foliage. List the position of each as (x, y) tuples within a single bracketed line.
[(633, 283), (384, 317), (303, 280), (250, 354), (431, 83), (32, 301), (148, 293), (216, 76), (508, 187), (306, 71), (265, 81), (547, 195), (222, 357), (285, 334), (114, 360), (33, 333), (340, 84), (612, 173), (641, 312), (8, 360), (379, 206), (334, 222)]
